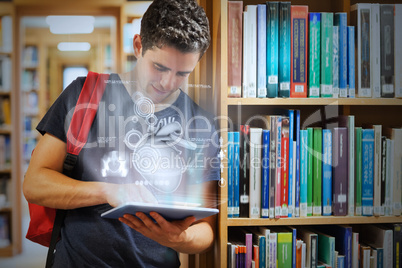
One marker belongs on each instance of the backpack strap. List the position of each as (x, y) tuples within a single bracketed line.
[(77, 135)]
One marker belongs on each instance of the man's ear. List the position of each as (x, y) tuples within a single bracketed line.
[(137, 45)]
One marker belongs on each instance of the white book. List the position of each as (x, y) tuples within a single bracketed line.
[(398, 50), (396, 135), (246, 56), (351, 158), (251, 60), (377, 169), (6, 32), (255, 172), (389, 178), (360, 18), (5, 74), (355, 250), (375, 51), (303, 255), (273, 238), (382, 237)]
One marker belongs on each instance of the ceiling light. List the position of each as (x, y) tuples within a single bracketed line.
[(70, 24), (74, 46)]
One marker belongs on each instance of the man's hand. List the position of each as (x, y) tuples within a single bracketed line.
[(118, 194), (169, 234)]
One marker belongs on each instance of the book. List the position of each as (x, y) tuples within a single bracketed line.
[(284, 190), (284, 249), (387, 50), (335, 61), (297, 163), (311, 240), (360, 18), (365, 253), (340, 171), (326, 248), (351, 88), (5, 74), (340, 20), (367, 171), (272, 49), (235, 29), (351, 164), (317, 171), (326, 172), (255, 172), (265, 174), (389, 181), (262, 51), (375, 52), (291, 164), (278, 167), (298, 50), (284, 49), (398, 51), (236, 174), (6, 34), (244, 170), (303, 172), (396, 135), (310, 171), (314, 54), (377, 171), (250, 52), (246, 54), (327, 22), (358, 171), (230, 174), (397, 250), (382, 237), (355, 249), (273, 127)]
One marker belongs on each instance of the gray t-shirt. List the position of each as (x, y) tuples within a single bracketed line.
[(168, 151)]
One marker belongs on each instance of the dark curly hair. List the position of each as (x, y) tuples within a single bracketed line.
[(181, 24)]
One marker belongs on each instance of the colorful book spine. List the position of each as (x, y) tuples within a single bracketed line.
[(351, 88), (367, 171), (265, 174), (285, 166), (291, 114), (398, 51), (273, 248), (351, 166), (278, 169), (327, 172), (297, 176), (310, 159), (244, 170), (358, 171), (236, 174), (314, 54), (327, 22), (255, 172), (340, 20), (230, 174), (375, 51), (317, 171), (261, 51), (284, 257), (340, 171), (326, 249), (387, 50), (235, 29), (335, 61), (298, 48), (303, 172), (284, 49), (272, 49)]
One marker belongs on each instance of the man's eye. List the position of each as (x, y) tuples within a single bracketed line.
[(159, 68)]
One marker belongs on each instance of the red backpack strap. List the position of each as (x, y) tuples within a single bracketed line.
[(83, 116)]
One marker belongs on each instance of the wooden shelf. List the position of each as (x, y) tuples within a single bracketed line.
[(319, 220), (5, 93), (313, 101)]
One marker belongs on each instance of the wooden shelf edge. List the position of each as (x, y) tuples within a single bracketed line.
[(320, 220), (313, 101)]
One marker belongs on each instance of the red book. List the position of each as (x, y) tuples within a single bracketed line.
[(285, 167), (298, 51)]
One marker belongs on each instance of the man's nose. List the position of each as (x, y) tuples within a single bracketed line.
[(168, 81)]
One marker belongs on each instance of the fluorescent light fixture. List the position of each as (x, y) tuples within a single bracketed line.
[(70, 24), (74, 46)]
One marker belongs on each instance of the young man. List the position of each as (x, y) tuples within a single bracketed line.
[(149, 143)]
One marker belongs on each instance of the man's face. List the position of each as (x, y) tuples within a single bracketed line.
[(161, 72)]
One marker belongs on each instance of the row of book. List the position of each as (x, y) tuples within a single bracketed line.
[(5, 112), (30, 57), (5, 152), (6, 43), (29, 80), (276, 169), (282, 50), (5, 73), (5, 236), (337, 246)]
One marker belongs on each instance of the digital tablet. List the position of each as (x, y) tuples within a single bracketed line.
[(169, 212)]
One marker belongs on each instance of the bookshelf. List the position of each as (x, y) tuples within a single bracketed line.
[(366, 110), (10, 131)]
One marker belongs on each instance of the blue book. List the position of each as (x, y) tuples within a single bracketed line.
[(284, 49), (367, 171), (261, 51), (265, 174), (272, 49), (351, 62), (327, 172), (236, 174), (262, 243), (303, 172), (291, 205), (340, 20), (230, 174), (341, 261), (297, 175)]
